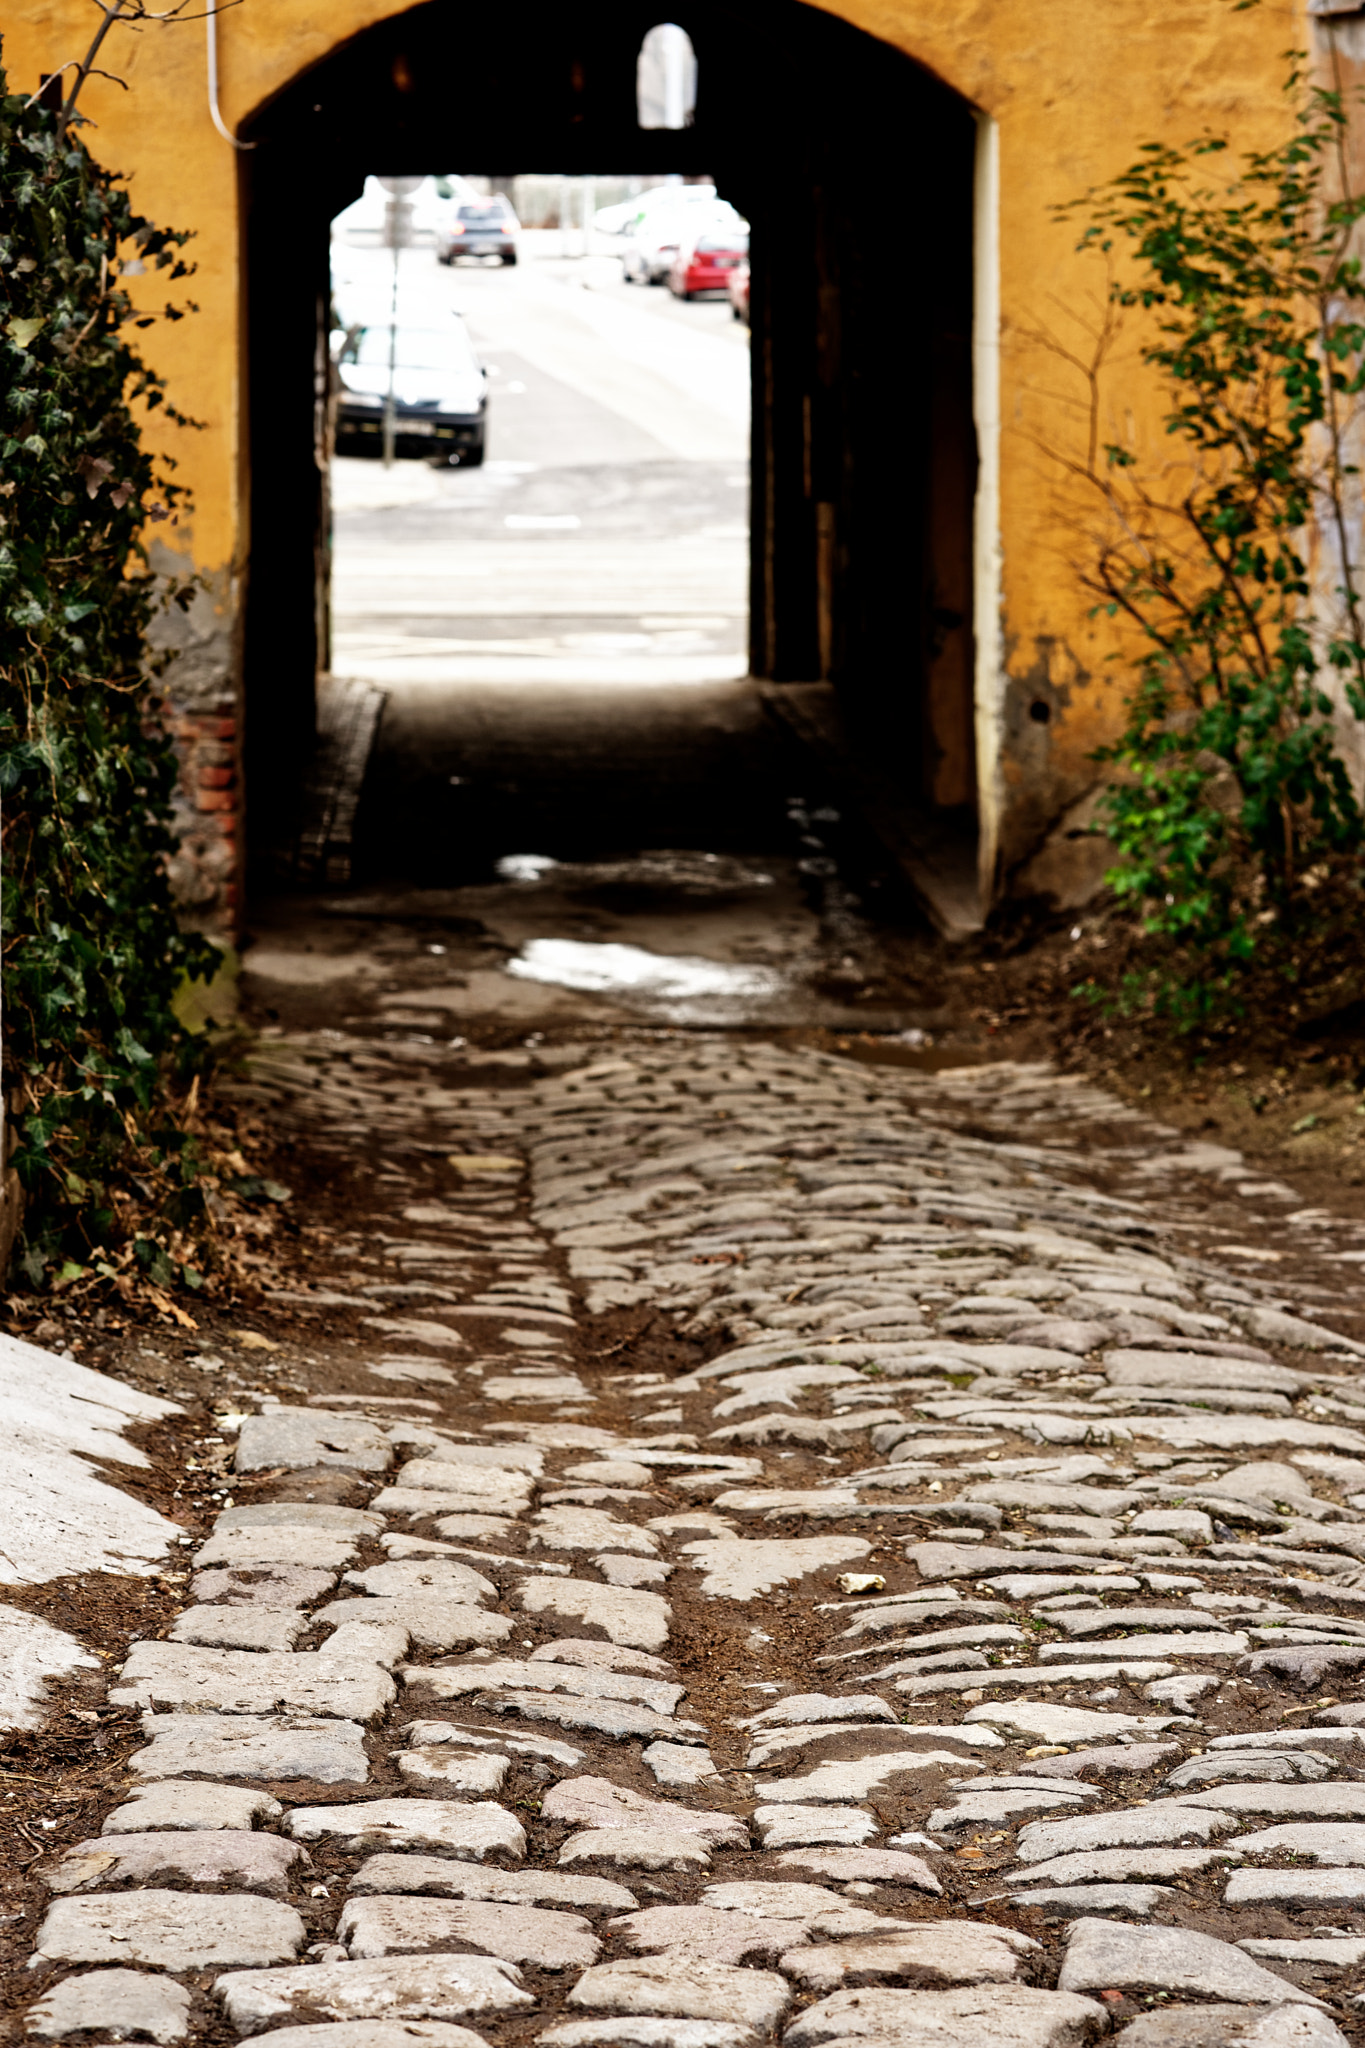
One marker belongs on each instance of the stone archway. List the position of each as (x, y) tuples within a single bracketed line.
[(856, 168)]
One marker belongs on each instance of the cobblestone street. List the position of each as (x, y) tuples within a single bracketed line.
[(713, 1543)]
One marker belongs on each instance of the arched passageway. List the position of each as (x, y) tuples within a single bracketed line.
[(855, 168)]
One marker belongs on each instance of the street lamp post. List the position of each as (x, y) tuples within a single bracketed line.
[(397, 236)]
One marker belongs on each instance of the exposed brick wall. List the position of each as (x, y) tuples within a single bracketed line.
[(205, 868)]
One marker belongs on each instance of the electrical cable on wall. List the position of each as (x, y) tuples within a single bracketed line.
[(215, 115)]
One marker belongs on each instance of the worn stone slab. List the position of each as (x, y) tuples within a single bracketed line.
[(1338, 1842), (472, 1776), (1332, 1887), (587, 1528), (252, 1746), (942, 1560), (624, 1614), (442, 1577), (1339, 1952), (1129, 1366), (286, 1586), (1112, 1866), (992, 2015), (637, 1848), (1051, 1723), (229, 1856), (1073, 1901), (424, 1734), (1307, 1664), (1106, 1954), (489, 1489), (1164, 1824), (1331, 1741), (1299, 1802), (720, 1935), (1093, 1621), (240, 1682), (598, 1803), (934, 1953), (783, 1826), (297, 1438), (1115, 1762), (366, 1641), (1263, 1766), (855, 1778), (62, 1518), (189, 1803), (1028, 1675), (1000, 1807), (1274, 1326), (464, 1513), (474, 1831), (1150, 1644), (169, 1930), (239, 1628), (446, 1876), (646, 2031), (406, 1925), (393, 1988), (740, 1568), (377, 2033), (671, 1763), (805, 1707), (115, 2003), (543, 1674), (861, 1866), (686, 1986), (32, 1651), (297, 1514), (279, 1544), (601, 1657), (614, 1718), (429, 1618), (1233, 2026)]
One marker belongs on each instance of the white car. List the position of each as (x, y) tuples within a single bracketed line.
[(654, 240)]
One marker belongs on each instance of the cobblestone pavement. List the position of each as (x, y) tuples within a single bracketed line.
[(744, 1545)]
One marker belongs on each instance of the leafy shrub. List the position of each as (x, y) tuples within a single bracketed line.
[(1234, 561), (92, 953)]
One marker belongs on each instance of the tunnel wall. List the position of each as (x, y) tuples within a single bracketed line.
[(1062, 96)]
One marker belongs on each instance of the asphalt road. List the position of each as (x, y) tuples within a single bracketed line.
[(560, 634), (604, 539)]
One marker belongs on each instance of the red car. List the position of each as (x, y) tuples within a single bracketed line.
[(738, 288), (705, 261)]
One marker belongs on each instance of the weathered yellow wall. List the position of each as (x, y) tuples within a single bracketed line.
[(1074, 86)]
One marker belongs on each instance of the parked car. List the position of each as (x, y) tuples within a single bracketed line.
[(705, 259), (440, 392), (666, 216), (485, 227), (737, 285)]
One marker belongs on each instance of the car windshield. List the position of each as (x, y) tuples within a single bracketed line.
[(727, 245), (483, 216), (419, 348)]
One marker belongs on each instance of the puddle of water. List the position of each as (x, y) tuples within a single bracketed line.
[(607, 969), (524, 867)]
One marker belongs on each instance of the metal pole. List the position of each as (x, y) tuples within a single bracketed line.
[(589, 209), (390, 402)]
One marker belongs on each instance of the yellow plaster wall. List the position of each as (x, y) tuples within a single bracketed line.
[(1074, 86)]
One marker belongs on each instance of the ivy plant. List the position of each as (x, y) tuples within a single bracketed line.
[(92, 951), (1231, 556)]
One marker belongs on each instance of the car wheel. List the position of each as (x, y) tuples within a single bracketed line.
[(472, 458), (507, 260)]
